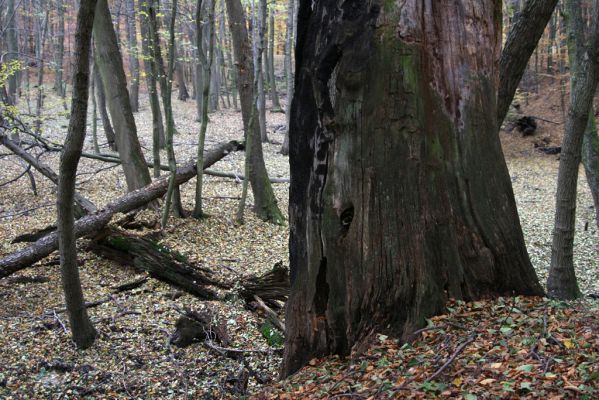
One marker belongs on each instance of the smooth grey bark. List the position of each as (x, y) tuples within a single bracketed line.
[(584, 67), (133, 55), (521, 42), (289, 39), (260, 48), (265, 203), (198, 211), (110, 66), (82, 329), (101, 97)]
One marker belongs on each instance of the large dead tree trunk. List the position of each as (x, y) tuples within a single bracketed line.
[(400, 197), (94, 222)]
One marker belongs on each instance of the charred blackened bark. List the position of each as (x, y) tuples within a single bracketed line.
[(400, 196)]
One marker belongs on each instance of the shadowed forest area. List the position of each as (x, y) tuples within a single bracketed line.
[(295, 199)]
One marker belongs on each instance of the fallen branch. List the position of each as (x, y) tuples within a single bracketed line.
[(95, 222), (240, 177), (272, 316), (84, 206), (451, 359)]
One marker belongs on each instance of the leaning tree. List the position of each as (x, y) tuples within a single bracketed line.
[(400, 195)]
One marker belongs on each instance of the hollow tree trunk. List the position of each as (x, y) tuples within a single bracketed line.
[(400, 197), (110, 66), (81, 327)]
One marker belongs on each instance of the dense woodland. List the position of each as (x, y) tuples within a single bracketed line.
[(299, 199)]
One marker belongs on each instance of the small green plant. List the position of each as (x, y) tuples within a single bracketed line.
[(272, 336)]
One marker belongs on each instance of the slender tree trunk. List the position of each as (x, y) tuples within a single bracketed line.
[(158, 138), (110, 66), (42, 28), (13, 49), (584, 67), (233, 70), (198, 211), (394, 212), (92, 89), (81, 326), (133, 56), (276, 105), (590, 160), (180, 75), (522, 40), (261, 34), (59, 86), (265, 203), (101, 96), (173, 189), (289, 38)]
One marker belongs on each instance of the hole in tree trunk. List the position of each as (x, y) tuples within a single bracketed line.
[(321, 296)]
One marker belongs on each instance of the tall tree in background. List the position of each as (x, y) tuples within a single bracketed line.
[(110, 65), (394, 212), (519, 46), (276, 106), (584, 67), (59, 86), (81, 326), (133, 55), (206, 64), (13, 49), (289, 39), (590, 160), (265, 203), (101, 96), (260, 48)]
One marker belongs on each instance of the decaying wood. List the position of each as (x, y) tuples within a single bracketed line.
[(195, 326), (159, 261), (272, 316), (95, 222), (134, 284), (271, 287), (84, 206)]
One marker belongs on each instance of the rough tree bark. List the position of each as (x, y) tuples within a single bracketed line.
[(94, 222), (110, 66), (584, 67), (519, 46), (265, 203), (82, 329), (400, 197)]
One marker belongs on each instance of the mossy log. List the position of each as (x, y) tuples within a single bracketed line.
[(158, 261)]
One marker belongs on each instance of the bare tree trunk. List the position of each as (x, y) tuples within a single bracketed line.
[(41, 30), (198, 211), (133, 56), (13, 49), (584, 67), (101, 96), (81, 326), (158, 138), (590, 160), (233, 70), (276, 105), (394, 212), (289, 40), (173, 189), (59, 86), (180, 75), (265, 203), (110, 66), (261, 34), (520, 44)]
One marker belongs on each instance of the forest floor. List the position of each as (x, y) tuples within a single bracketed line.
[(505, 348)]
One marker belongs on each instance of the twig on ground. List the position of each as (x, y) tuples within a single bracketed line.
[(451, 359)]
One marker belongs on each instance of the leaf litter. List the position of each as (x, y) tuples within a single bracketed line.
[(508, 348)]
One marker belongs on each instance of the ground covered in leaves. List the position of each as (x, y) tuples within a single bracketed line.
[(508, 348)]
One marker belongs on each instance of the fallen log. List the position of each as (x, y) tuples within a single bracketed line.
[(95, 222), (83, 205), (158, 261)]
